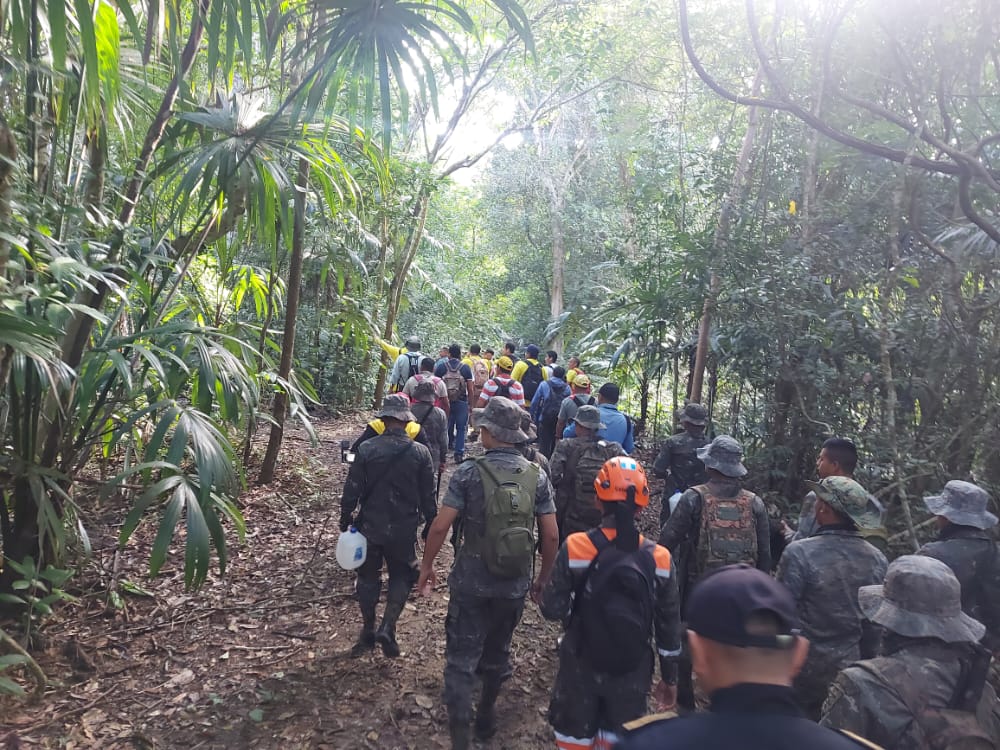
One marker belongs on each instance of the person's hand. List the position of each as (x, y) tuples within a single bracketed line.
[(665, 696), (426, 582), (536, 591), (345, 523)]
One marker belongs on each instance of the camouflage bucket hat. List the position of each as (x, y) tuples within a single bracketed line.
[(425, 392), (502, 417), (962, 503), (921, 598), (695, 414), (846, 496), (724, 454), (589, 416), (396, 406)]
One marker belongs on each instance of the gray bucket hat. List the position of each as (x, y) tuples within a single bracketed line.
[(502, 417), (590, 417), (694, 413), (724, 454), (962, 503), (425, 392), (921, 598), (396, 406)]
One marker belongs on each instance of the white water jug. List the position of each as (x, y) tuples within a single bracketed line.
[(352, 548)]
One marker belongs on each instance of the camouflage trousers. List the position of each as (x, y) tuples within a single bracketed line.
[(587, 706), (478, 631)]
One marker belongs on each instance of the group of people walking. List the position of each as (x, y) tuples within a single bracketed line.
[(875, 654)]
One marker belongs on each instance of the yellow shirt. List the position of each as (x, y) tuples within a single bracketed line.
[(392, 351), (521, 367)]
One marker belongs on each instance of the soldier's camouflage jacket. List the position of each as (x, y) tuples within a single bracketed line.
[(878, 704), (678, 456), (824, 573), (975, 560), (392, 478)]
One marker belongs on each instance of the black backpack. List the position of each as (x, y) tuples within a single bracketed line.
[(503, 389), (589, 400), (550, 409), (414, 359), (613, 606), (531, 379)]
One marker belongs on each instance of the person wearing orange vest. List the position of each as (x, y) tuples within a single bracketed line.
[(614, 590)]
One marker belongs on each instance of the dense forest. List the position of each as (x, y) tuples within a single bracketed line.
[(211, 212)]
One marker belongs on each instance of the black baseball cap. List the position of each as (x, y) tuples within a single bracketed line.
[(721, 604)]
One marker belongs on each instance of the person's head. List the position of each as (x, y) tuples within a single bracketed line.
[(743, 628), (551, 356), (609, 393), (581, 384), (694, 417), (395, 411), (509, 347), (500, 423), (962, 504), (412, 343), (425, 392), (588, 421), (723, 457), (574, 362), (622, 492), (527, 427), (488, 354), (427, 365), (841, 500), (531, 351), (838, 458), (455, 351), (475, 350), (443, 352), (505, 365), (920, 598), (559, 372)]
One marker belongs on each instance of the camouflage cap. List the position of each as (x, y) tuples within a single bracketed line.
[(724, 454), (694, 413), (590, 417), (425, 392), (921, 598), (962, 503), (848, 497), (502, 419), (396, 406)]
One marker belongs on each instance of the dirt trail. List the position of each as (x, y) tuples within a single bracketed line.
[(259, 659)]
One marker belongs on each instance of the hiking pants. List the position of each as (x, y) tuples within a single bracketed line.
[(399, 558), (458, 425), (478, 631), (547, 435), (589, 709)]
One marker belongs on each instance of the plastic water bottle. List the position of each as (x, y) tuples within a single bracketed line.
[(352, 548)]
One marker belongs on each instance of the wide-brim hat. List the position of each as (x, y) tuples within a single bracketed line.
[(921, 598), (725, 455), (849, 498), (502, 418), (694, 413), (590, 417), (962, 503), (395, 407)]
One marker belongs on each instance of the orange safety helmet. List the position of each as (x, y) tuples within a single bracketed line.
[(616, 476)]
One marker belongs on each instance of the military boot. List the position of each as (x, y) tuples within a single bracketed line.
[(461, 735), (486, 714), (386, 634), (368, 596)]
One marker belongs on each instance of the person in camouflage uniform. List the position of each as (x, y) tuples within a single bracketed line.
[(678, 461), (529, 447), (575, 510), (432, 420), (392, 480), (824, 573), (837, 458), (965, 546), (590, 705), (929, 684), (483, 609), (681, 534)]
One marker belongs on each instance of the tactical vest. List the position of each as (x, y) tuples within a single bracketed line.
[(728, 533)]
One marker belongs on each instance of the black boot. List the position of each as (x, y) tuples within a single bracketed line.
[(386, 634), (461, 735), (368, 596), (486, 714)]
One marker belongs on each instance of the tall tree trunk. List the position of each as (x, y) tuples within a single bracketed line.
[(557, 291), (279, 410), (723, 235)]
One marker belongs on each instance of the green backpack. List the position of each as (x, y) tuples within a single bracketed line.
[(507, 543)]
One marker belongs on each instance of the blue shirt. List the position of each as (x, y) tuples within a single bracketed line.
[(543, 392), (617, 427), (464, 370)]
